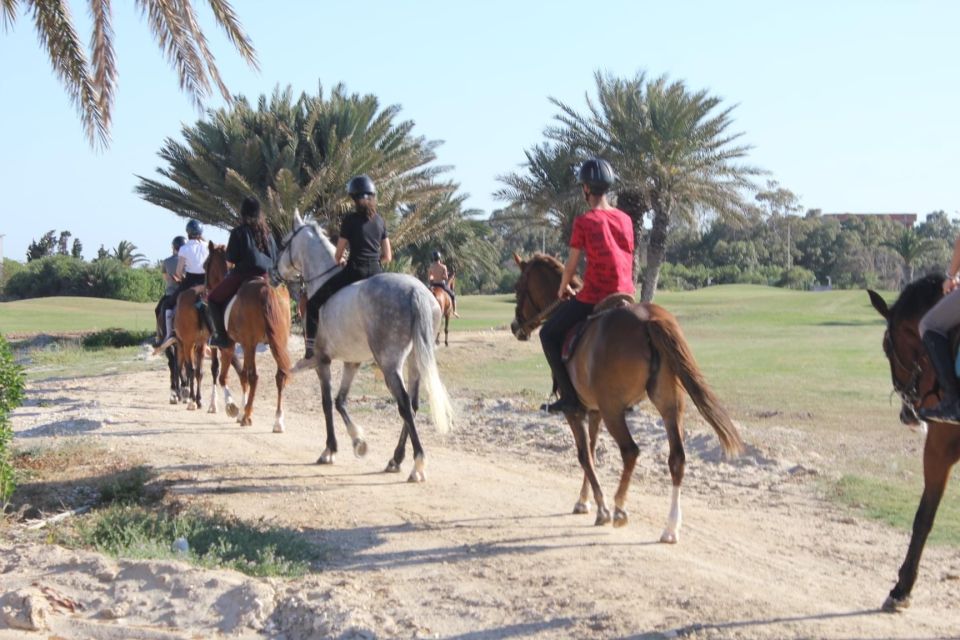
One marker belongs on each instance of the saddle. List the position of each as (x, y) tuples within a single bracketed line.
[(608, 304)]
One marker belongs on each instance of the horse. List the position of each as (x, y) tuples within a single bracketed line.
[(446, 308), (624, 354), (915, 382), (178, 380), (389, 318), (258, 313)]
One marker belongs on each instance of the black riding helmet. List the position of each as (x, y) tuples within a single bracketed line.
[(597, 174), (361, 185), (194, 229), (436, 256), (178, 242)]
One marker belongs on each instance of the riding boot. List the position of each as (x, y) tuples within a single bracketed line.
[(219, 337), (941, 356), (568, 400)]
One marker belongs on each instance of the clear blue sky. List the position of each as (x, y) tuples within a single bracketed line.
[(849, 104)]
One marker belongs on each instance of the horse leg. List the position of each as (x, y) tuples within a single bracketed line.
[(393, 466), (250, 367), (593, 424), (281, 378), (356, 434), (615, 419), (191, 377), (198, 372), (174, 375), (668, 401), (215, 374), (391, 376), (939, 457), (323, 372), (585, 456), (446, 328), (228, 359)]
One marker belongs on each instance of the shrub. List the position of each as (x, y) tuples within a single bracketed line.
[(50, 276), (69, 276), (11, 395), (116, 338)]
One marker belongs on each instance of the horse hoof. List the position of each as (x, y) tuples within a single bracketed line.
[(669, 537), (233, 410), (603, 517), (417, 476), (581, 507), (896, 605), (620, 518), (359, 447), (174, 400), (246, 422), (325, 458), (392, 467), (212, 409), (192, 406), (278, 428)]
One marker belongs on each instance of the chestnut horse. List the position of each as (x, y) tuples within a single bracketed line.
[(258, 313), (446, 308), (624, 354), (914, 381)]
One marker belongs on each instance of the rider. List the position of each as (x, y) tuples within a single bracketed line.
[(605, 235), (438, 276), (364, 232), (164, 309), (192, 254), (252, 251), (935, 327)]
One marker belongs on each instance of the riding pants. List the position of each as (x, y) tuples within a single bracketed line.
[(350, 274), (446, 287), (552, 335), (943, 316)]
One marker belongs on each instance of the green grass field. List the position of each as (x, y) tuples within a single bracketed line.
[(808, 362)]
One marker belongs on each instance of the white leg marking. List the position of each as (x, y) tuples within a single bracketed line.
[(278, 423), (671, 535)]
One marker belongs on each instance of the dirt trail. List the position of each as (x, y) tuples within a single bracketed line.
[(486, 548)]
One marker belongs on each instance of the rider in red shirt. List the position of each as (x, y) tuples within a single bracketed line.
[(605, 235)]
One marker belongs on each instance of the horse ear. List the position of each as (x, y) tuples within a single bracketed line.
[(879, 303), (297, 220), (516, 258), (211, 246)]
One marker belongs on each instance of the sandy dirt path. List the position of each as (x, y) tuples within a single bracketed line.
[(486, 548)]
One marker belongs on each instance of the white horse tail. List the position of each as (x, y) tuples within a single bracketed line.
[(423, 320)]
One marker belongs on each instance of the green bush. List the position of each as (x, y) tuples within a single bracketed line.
[(11, 395), (116, 338), (68, 276)]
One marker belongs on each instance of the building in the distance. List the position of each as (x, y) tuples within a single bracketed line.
[(906, 219)]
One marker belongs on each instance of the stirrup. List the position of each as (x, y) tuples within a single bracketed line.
[(221, 341), (562, 405)]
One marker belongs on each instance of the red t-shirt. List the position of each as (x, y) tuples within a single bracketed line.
[(606, 237)]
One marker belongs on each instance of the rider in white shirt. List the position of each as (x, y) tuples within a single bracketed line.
[(192, 255)]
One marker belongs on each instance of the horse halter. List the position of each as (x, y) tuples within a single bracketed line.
[(908, 393), (283, 248), (523, 329)]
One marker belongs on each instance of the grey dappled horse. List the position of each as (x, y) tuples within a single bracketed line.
[(387, 318)]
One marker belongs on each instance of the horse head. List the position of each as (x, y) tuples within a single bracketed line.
[(536, 292), (305, 251), (215, 266), (914, 380)]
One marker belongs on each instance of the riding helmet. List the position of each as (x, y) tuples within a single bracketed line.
[(436, 256), (194, 229), (361, 185), (178, 242), (597, 174)]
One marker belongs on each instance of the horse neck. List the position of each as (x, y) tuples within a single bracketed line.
[(546, 285), (317, 264)]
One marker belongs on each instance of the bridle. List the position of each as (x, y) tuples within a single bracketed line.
[(909, 393), (523, 329), (283, 248)]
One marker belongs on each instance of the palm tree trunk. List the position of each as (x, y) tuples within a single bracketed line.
[(632, 204), (656, 250)]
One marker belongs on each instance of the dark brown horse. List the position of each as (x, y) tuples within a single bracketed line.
[(446, 308), (914, 381), (624, 355), (257, 314)]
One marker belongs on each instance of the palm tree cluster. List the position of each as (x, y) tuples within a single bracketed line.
[(91, 81), (670, 147)]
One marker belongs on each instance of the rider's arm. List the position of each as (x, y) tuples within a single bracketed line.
[(181, 267), (569, 269), (341, 247), (386, 255), (952, 272)]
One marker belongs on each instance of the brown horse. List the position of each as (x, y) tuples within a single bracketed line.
[(624, 355), (446, 308), (914, 381), (257, 314)]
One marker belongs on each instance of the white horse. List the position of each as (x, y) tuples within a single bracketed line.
[(385, 318)]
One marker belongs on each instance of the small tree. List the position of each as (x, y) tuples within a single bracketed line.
[(910, 247), (43, 247), (11, 395), (77, 250)]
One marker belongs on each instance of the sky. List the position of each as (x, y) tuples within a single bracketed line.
[(850, 105)]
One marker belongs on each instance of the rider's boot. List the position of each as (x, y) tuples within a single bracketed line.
[(568, 400), (219, 337), (941, 356), (307, 362)]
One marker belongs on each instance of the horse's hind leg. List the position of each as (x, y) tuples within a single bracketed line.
[(323, 372), (250, 367), (356, 434), (228, 358), (616, 423), (391, 376), (668, 401), (583, 503), (215, 374), (446, 329), (939, 456), (585, 456)]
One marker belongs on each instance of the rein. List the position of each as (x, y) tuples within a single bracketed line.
[(286, 245), (532, 323), (909, 393)]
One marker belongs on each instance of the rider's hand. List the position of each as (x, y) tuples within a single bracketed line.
[(343, 261), (949, 285)]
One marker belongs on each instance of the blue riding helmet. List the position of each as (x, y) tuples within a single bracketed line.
[(194, 229)]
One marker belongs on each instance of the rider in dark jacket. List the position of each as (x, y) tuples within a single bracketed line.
[(252, 250)]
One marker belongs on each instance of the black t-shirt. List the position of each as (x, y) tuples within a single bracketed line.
[(243, 253), (365, 236)]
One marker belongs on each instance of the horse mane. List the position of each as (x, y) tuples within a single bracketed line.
[(554, 265), (918, 296), (321, 234)]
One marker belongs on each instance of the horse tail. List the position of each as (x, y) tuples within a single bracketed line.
[(422, 323), (276, 321), (669, 342)]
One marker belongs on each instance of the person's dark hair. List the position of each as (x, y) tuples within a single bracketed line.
[(251, 216), (366, 206)]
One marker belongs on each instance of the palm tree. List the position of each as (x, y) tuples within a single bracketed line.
[(671, 148), (91, 83), (910, 246), (126, 253), (299, 154)]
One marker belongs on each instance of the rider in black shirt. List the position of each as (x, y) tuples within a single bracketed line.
[(365, 233)]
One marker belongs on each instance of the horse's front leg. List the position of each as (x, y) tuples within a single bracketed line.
[(326, 399), (391, 376), (356, 434), (584, 454), (938, 458), (215, 374), (583, 502), (250, 368)]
